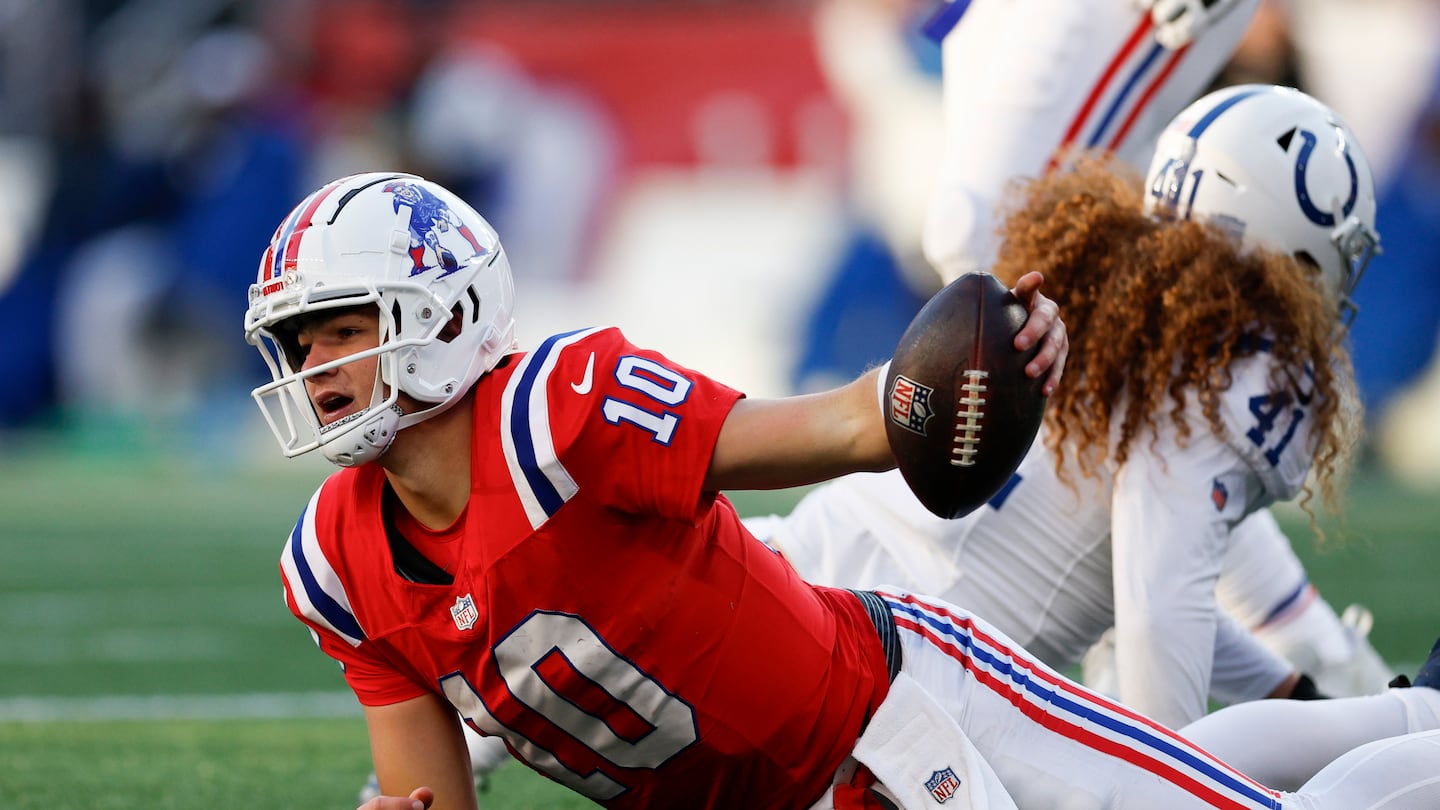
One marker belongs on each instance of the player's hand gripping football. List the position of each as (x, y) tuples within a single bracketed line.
[(1044, 326), (1179, 22), (419, 799)]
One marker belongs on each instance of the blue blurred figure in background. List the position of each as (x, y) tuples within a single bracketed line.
[(1395, 343)]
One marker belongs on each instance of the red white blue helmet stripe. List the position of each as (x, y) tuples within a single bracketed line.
[(285, 245)]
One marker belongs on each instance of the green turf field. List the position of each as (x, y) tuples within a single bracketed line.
[(148, 660)]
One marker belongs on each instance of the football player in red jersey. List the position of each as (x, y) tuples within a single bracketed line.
[(534, 541)]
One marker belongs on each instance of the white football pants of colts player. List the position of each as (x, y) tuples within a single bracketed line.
[(1040, 77)]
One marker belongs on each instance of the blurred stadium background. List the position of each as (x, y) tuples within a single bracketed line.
[(737, 182)]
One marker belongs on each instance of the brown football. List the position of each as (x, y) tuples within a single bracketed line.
[(960, 413)]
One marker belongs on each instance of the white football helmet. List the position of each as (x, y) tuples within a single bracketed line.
[(1277, 169), (421, 256)]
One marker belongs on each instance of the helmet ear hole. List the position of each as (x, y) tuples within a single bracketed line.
[(1312, 265), (455, 325)]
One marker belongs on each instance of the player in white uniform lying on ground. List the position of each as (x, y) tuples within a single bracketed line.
[(1201, 389), (1109, 74)]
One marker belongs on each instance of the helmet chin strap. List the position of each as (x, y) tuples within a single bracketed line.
[(374, 430), (373, 433), (366, 440)]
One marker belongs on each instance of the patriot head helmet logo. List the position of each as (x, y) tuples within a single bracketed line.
[(433, 229)]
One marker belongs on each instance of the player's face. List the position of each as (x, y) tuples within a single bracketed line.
[(347, 388)]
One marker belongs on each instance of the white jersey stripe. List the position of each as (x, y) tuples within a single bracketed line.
[(541, 481), (314, 583), (1075, 713)]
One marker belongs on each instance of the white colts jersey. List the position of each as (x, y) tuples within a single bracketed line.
[(1054, 563)]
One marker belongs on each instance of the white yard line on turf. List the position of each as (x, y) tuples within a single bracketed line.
[(254, 706)]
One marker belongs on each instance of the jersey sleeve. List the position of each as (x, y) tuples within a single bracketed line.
[(1173, 507), (589, 410), (316, 595)]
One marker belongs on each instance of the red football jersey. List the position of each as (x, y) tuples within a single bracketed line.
[(615, 624)]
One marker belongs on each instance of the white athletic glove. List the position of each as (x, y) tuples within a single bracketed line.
[(1179, 22)]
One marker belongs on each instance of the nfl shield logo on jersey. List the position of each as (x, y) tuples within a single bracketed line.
[(1219, 495), (943, 784), (910, 404), (464, 612)]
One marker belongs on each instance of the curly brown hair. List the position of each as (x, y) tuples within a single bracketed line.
[(1157, 309)]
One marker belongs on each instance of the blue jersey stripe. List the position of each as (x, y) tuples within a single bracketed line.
[(544, 490), (338, 617), (1287, 602)]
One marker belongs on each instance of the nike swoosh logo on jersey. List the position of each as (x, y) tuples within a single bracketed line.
[(583, 387)]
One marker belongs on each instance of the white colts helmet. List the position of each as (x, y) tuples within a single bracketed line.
[(1278, 170), (417, 253)]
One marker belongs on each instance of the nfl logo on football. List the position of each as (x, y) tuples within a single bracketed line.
[(464, 612), (943, 784), (910, 404)]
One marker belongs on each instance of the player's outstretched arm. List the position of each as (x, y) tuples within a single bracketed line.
[(795, 441)]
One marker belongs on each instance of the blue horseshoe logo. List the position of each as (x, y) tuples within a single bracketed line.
[(1302, 192)]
